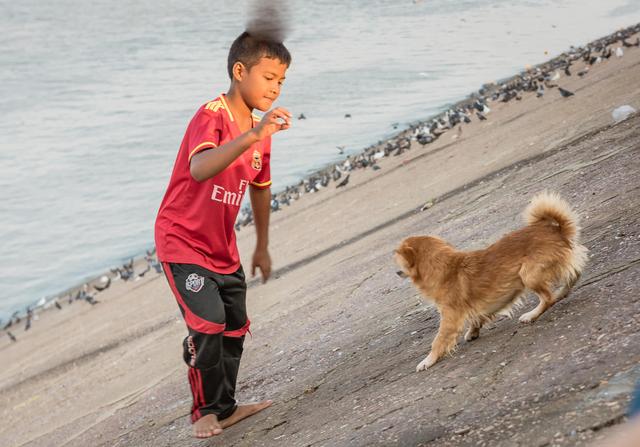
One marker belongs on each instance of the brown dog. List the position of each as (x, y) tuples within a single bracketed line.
[(475, 286)]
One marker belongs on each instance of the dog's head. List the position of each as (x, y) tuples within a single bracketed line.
[(416, 255), (406, 258)]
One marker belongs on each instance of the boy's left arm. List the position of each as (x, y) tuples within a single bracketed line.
[(261, 205)]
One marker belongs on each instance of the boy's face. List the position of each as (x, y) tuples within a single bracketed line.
[(260, 86)]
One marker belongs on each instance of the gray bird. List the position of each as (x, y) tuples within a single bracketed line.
[(565, 93), (344, 182)]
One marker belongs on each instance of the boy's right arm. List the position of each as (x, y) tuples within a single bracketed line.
[(207, 164)]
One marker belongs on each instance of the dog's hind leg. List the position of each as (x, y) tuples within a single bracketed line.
[(475, 325), (473, 332), (547, 299), (566, 288), (451, 324)]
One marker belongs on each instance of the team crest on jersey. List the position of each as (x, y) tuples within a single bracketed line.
[(256, 160), (194, 283)]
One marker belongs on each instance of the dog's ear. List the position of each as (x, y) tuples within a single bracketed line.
[(408, 254)]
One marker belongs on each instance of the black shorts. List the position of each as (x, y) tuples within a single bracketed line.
[(210, 302)]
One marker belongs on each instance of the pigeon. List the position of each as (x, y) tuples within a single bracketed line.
[(583, 72), (104, 284), (302, 117), (481, 116), (479, 106), (142, 273), (567, 71), (340, 149), (344, 182), (540, 91), (11, 336), (565, 93), (347, 115), (425, 139), (619, 52)]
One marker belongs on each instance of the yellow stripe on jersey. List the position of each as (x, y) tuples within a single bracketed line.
[(261, 185), (200, 146), (226, 107), (214, 106)]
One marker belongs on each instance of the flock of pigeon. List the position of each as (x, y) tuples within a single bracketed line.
[(541, 80), (84, 293)]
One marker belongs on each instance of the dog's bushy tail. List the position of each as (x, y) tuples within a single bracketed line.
[(550, 207)]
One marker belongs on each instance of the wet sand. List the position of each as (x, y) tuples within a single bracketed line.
[(337, 335)]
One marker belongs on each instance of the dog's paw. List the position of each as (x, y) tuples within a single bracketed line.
[(426, 363), (529, 317)]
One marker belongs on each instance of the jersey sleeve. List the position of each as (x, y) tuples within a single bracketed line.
[(204, 132), (263, 179)]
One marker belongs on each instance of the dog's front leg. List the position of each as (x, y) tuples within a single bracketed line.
[(451, 325)]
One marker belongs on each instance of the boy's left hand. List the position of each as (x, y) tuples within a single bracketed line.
[(261, 260)]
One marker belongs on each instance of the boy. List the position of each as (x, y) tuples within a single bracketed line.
[(226, 149)]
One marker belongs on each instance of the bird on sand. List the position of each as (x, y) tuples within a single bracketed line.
[(344, 182), (105, 282), (565, 93)]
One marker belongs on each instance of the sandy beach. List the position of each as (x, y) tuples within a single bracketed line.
[(337, 335)]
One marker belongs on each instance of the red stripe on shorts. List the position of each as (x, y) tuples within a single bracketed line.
[(193, 321), (237, 333)]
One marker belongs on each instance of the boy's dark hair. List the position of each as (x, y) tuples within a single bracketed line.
[(249, 48)]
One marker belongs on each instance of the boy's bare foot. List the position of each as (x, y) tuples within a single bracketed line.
[(207, 426), (244, 411)]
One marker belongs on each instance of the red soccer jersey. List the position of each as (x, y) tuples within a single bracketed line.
[(195, 223)]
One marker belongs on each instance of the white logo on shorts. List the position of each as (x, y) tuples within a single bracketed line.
[(194, 282)]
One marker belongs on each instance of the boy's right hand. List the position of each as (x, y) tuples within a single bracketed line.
[(272, 122)]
